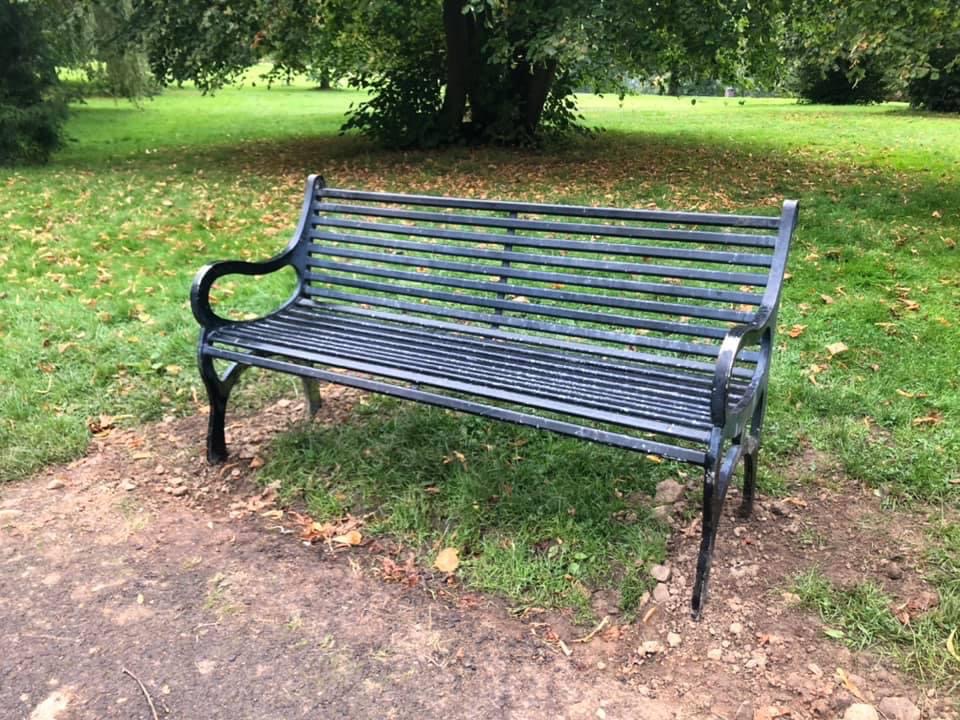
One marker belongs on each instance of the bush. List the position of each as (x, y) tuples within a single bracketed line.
[(939, 90), (32, 111), (834, 86)]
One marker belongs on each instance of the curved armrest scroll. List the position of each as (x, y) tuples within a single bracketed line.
[(209, 274), (740, 337)]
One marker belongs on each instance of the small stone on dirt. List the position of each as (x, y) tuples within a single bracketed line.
[(781, 507), (662, 512), (899, 708), (736, 629), (674, 640), (894, 571), (714, 654), (668, 491), (651, 647), (55, 484), (128, 485), (660, 573), (861, 711), (745, 571), (661, 594), (815, 669), (9, 514), (177, 490)]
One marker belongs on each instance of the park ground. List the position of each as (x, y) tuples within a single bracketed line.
[(123, 551)]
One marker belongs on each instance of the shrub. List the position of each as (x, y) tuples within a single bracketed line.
[(32, 112), (938, 90), (834, 86)]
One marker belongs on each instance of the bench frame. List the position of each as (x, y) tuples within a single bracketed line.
[(736, 417)]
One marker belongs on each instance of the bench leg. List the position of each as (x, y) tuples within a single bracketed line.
[(311, 390), (716, 480), (218, 393), (750, 458)]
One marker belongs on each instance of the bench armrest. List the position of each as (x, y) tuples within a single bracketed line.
[(209, 274), (740, 337)]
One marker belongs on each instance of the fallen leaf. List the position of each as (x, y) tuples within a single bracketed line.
[(951, 648), (835, 634), (256, 462), (931, 419), (796, 331), (911, 395), (655, 459), (447, 560), (850, 686), (827, 300), (837, 348), (351, 538)]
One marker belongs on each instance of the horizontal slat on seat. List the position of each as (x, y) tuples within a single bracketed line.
[(502, 371), (604, 352), (607, 437)]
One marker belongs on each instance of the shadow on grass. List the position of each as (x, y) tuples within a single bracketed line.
[(535, 516)]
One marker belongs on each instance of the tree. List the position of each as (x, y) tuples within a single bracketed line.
[(32, 110), (837, 85), (909, 39), (443, 71)]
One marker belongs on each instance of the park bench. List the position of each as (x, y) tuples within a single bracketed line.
[(642, 329)]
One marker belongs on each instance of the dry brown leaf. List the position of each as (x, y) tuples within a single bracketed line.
[(256, 462), (911, 395), (827, 300), (655, 459), (931, 419), (447, 560), (351, 538), (849, 685), (796, 331), (837, 348)]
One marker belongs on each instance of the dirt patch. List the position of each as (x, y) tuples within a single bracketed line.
[(141, 563)]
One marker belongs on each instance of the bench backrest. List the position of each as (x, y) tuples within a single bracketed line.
[(634, 282)]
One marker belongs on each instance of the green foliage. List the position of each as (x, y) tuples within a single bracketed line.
[(939, 89), (88, 37), (451, 71), (903, 38), (32, 112), (402, 109), (835, 85)]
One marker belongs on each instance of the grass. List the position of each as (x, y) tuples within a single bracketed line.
[(537, 518), (861, 615), (99, 248)]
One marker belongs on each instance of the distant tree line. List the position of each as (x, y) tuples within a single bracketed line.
[(470, 71)]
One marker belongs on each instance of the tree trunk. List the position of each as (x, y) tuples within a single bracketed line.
[(456, 30), (530, 87)]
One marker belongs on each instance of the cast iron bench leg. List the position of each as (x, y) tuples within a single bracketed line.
[(218, 392), (750, 460), (715, 483), (311, 390)]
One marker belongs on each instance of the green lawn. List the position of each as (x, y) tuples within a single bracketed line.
[(99, 248)]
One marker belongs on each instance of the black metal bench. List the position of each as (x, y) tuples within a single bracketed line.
[(643, 329)]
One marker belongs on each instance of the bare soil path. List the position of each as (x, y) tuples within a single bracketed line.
[(138, 564)]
